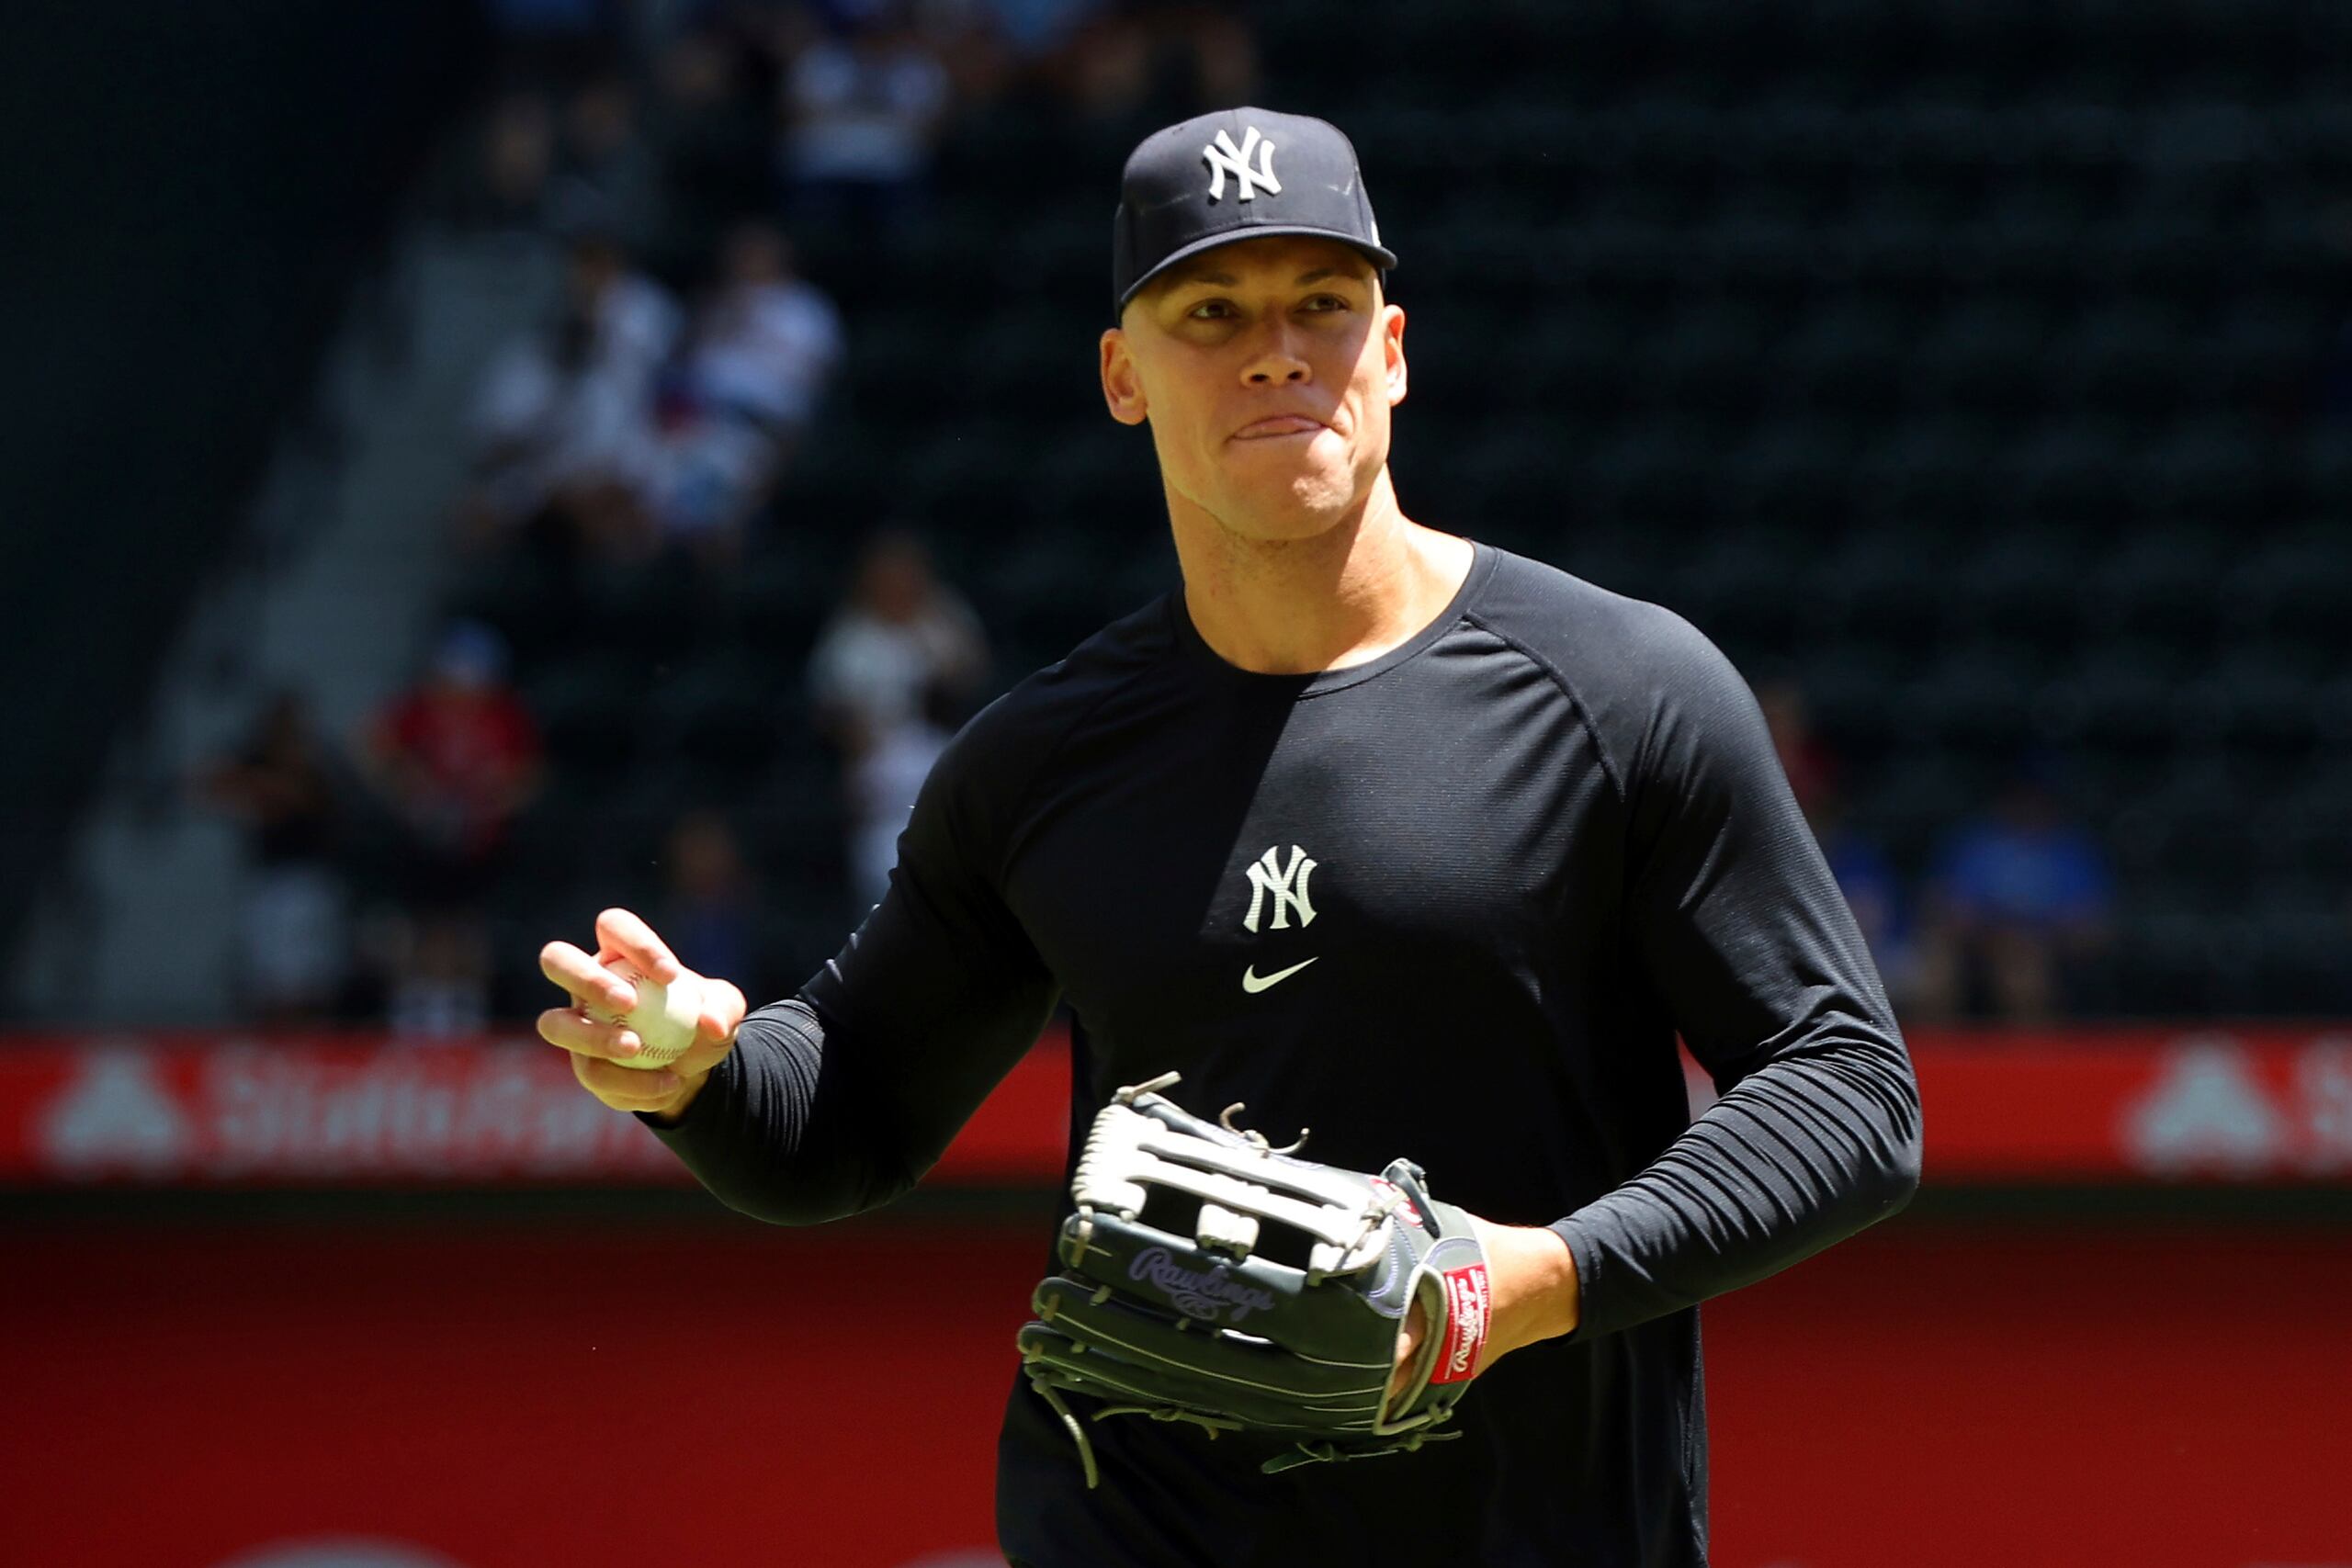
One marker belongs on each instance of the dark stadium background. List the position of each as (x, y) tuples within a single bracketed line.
[(1975, 372)]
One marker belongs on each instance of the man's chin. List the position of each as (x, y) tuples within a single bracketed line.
[(1299, 503), (1308, 512)]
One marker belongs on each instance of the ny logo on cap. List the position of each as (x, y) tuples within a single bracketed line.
[(1225, 159)]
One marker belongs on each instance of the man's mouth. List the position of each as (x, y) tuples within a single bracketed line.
[(1279, 424)]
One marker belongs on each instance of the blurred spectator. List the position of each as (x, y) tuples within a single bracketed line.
[(438, 983), (763, 347), (1863, 872), (563, 424), (455, 758), (893, 667), (1811, 770), (860, 116), (770, 338), (1130, 64), (1875, 895), (883, 781), (1035, 27), (709, 135), (506, 190), (708, 905), (2017, 898), (291, 938), (609, 179), (903, 635)]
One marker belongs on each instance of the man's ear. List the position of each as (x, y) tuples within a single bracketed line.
[(1392, 348), (1121, 388)]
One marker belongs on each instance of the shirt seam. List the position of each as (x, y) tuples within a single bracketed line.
[(1610, 766)]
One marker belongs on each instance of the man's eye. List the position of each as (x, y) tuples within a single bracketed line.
[(1327, 302), (1210, 310)]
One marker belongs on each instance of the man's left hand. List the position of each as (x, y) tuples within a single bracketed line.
[(1531, 1283)]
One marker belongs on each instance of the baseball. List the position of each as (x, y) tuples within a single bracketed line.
[(666, 1018)]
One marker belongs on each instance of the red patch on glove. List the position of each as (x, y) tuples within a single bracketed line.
[(1404, 1210), (1468, 1302)]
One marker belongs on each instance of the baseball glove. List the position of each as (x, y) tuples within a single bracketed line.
[(1213, 1280)]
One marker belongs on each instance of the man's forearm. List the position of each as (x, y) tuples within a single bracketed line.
[(1533, 1278), (779, 1131), (1800, 1153)]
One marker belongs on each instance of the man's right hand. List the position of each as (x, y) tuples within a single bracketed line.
[(596, 1047)]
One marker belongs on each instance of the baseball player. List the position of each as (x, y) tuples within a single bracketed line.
[(1380, 831)]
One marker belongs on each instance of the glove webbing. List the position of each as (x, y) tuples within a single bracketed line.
[(1049, 1381)]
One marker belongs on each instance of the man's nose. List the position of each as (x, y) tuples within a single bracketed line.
[(1277, 360)]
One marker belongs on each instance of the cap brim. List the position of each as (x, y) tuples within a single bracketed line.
[(1383, 257)]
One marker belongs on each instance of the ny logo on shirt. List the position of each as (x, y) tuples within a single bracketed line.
[(1225, 159), (1287, 883)]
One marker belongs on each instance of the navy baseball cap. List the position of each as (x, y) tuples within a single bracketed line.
[(1234, 175)]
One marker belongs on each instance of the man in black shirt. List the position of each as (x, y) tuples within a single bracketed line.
[(1380, 831)]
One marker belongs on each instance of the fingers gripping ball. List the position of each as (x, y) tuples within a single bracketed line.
[(667, 1018)]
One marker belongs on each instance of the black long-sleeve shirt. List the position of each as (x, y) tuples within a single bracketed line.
[(1454, 904)]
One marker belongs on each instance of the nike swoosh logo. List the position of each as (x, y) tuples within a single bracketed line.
[(1253, 981)]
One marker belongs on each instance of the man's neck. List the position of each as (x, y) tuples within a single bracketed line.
[(1343, 597)]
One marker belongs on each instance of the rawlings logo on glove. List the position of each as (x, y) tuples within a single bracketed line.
[(1186, 1228), (1465, 1330), (1194, 1294)]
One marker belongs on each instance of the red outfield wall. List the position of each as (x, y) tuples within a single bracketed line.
[(381, 1396)]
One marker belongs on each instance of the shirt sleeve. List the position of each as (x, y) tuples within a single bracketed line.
[(839, 1098), (1736, 923)]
